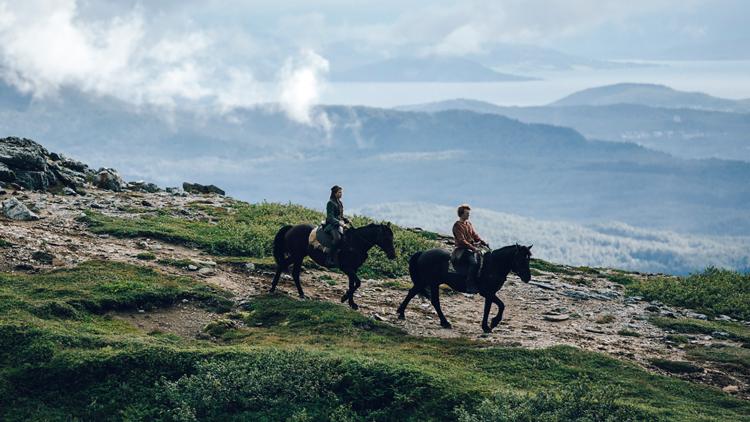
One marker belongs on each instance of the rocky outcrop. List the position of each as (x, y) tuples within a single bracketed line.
[(196, 188), (108, 179), (16, 210), (29, 165)]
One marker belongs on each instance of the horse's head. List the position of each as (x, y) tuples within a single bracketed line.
[(385, 240), (521, 259)]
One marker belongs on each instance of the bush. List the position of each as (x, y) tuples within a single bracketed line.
[(575, 402), (713, 292), (146, 256)]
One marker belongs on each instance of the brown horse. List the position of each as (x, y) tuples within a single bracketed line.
[(291, 246)]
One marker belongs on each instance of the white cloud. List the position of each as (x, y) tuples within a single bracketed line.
[(47, 45), (615, 245), (301, 82)]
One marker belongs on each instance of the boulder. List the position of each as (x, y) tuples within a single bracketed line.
[(6, 174), (142, 186), (202, 189), (108, 179), (16, 210), (28, 164)]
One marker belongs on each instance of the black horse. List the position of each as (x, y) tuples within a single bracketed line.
[(429, 269), (291, 245)]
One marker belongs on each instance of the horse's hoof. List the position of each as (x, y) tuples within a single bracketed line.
[(486, 329), (401, 317), (302, 297), (446, 324), (344, 298), (354, 306)]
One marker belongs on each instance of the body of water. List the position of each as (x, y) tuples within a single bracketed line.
[(727, 79)]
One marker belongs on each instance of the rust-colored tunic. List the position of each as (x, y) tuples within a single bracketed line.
[(465, 235)]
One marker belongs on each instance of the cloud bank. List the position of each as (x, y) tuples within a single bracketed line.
[(47, 46), (614, 245)]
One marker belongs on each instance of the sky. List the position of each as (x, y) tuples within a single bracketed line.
[(225, 54)]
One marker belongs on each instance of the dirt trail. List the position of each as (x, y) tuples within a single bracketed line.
[(582, 310)]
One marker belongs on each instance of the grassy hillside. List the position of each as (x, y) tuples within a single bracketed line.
[(247, 230), (276, 358), (714, 291)]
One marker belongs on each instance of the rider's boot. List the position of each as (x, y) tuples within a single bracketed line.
[(471, 283), (332, 257)]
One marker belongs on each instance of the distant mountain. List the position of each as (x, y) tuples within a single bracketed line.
[(652, 96), (530, 58), (687, 133), (384, 155), (424, 69)]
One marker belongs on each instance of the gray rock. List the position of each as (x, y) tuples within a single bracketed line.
[(556, 318), (108, 179), (16, 210), (575, 294), (723, 318), (192, 267), (542, 285), (28, 164), (696, 315), (206, 271), (249, 266), (68, 191), (720, 334), (142, 186), (6, 174), (202, 189)]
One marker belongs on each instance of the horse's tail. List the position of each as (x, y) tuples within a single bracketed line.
[(279, 248), (414, 274)]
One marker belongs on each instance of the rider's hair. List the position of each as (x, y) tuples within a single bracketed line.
[(462, 208), (335, 189)]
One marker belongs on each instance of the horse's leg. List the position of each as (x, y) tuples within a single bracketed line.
[(357, 283), (276, 278), (435, 299), (487, 306), (409, 296), (499, 317), (350, 292), (295, 275)]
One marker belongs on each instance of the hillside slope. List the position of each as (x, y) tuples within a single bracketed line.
[(152, 306)]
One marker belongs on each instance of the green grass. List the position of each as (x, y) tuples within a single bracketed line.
[(713, 292), (178, 263), (736, 358), (247, 230), (542, 265), (677, 338), (734, 330), (4, 243), (675, 366), (621, 279), (278, 358), (146, 256), (97, 287), (397, 285), (628, 333)]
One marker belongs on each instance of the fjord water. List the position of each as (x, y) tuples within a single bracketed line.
[(727, 79)]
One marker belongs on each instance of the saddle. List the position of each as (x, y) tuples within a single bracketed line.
[(461, 267), (319, 239)]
